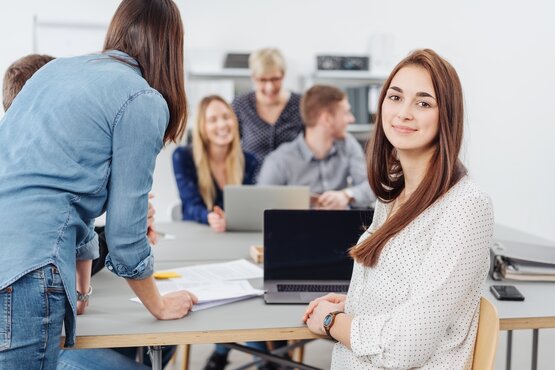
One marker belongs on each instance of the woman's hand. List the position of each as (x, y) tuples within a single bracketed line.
[(176, 305), (333, 200), (334, 298), (216, 219), (81, 306), (315, 321), (151, 233), (167, 307)]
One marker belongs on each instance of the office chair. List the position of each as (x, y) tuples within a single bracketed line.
[(486, 337)]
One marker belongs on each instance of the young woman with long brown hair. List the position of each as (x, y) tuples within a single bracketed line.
[(419, 268), (82, 137)]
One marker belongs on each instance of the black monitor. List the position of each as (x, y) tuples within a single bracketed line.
[(311, 244)]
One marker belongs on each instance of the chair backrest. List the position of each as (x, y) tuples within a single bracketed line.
[(486, 338)]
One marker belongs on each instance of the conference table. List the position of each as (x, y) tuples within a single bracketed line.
[(112, 320)]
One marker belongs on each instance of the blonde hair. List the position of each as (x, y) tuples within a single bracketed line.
[(234, 163), (266, 60)]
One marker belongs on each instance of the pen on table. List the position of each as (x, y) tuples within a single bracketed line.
[(163, 235)]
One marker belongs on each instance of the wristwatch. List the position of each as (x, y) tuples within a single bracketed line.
[(349, 194), (329, 320), (84, 297)]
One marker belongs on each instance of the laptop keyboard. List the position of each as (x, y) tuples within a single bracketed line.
[(329, 288)]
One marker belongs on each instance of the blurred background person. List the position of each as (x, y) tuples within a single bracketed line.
[(214, 160), (268, 116), (325, 157)]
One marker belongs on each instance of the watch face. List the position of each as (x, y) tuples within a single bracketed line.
[(327, 319)]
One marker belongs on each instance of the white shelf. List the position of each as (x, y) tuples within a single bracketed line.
[(223, 73), (349, 75), (360, 127)]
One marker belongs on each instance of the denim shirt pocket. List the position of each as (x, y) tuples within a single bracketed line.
[(5, 317)]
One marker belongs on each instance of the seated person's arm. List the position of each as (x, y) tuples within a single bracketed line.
[(216, 219), (87, 251), (333, 199), (187, 183)]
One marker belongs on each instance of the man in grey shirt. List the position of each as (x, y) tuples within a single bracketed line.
[(325, 157)]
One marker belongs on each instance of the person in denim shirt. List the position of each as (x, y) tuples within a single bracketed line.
[(15, 78), (82, 137), (214, 160)]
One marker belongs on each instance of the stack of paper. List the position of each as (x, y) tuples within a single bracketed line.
[(214, 284)]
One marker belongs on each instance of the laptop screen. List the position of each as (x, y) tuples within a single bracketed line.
[(311, 244)]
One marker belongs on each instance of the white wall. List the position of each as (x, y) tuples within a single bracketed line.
[(502, 50)]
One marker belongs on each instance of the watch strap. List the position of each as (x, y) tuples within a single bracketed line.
[(327, 327), (84, 297)]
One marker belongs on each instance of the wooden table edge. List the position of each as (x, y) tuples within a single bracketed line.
[(220, 336)]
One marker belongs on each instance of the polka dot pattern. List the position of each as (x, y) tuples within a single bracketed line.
[(418, 307), (258, 136)]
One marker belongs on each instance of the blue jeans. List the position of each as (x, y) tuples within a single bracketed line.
[(32, 312), (109, 359), (98, 358)]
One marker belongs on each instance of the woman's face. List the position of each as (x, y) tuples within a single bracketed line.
[(410, 114), (219, 124), (268, 86)]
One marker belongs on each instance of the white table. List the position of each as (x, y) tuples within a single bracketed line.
[(112, 320)]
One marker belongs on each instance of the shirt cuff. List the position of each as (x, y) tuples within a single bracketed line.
[(365, 335), (88, 250), (142, 270), (361, 196)]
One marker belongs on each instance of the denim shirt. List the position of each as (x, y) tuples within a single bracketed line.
[(81, 137)]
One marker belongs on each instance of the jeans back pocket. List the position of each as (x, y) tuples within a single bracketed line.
[(5, 317)]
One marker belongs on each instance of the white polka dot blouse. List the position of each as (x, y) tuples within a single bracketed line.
[(418, 307)]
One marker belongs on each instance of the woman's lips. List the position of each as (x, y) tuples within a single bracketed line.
[(403, 129)]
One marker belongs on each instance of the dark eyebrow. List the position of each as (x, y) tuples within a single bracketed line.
[(424, 95), (419, 94)]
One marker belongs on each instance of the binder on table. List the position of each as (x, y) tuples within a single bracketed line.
[(522, 261)]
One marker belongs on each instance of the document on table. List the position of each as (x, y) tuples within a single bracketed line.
[(214, 284), (211, 295), (224, 271)]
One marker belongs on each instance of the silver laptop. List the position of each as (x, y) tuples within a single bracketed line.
[(245, 204), (306, 252)]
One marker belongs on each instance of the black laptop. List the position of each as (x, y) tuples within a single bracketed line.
[(306, 252)]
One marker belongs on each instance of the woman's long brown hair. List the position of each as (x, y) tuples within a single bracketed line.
[(444, 170), (151, 31)]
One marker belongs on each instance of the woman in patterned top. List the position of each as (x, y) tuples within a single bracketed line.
[(215, 160), (268, 116), (419, 269)]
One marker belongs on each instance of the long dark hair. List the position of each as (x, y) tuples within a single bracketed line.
[(444, 170), (151, 31)]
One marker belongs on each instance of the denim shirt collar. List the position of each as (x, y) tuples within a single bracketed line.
[(124, 57)]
